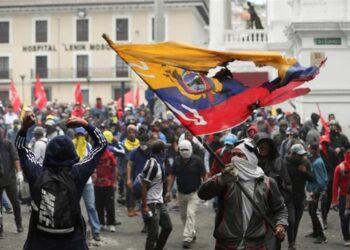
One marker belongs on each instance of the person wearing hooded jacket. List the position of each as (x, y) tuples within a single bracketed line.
[(189, 171), (60, 153), (237, 224), (272, 165)]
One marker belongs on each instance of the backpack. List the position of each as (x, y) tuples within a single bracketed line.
[(55, 202)]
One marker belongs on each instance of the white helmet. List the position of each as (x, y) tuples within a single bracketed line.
[(185, 149)]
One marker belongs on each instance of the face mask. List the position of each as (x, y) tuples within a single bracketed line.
[(185, 153)]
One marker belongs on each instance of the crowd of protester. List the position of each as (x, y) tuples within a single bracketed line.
[(307, 165)]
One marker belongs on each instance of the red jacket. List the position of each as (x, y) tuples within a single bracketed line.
[(225, 156), (341, 181), (106, 170)]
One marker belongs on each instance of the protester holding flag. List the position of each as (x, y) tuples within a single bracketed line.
[(235, 212)]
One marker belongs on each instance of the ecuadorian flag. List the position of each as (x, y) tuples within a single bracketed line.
[(178, 75)]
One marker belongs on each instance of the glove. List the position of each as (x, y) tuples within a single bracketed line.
[(19, 176), (230, 174)]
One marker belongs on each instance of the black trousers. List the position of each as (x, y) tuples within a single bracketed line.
[(295, 212), (160, 217), (315, 218), (104, 202), (344, 220), (326, 202), (12, 194)]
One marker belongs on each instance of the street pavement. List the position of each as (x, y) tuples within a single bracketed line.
[(128, 235)]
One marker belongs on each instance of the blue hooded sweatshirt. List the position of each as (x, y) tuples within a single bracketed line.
[(60, 152)]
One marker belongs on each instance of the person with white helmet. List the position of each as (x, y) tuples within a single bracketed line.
[(189, 171)]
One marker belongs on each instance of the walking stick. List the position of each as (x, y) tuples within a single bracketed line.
[(244, 191)]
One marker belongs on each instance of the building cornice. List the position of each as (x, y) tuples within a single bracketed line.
[(319, 26)]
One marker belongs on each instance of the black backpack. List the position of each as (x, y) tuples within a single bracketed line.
[(55, 202)]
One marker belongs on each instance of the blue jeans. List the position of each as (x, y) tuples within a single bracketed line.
[(89, 200), (5, 201)]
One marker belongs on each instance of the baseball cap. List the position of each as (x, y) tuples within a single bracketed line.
[(230, 140), (298, 149), (80, 131)]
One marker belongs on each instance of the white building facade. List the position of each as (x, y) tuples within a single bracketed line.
[(309, 30), (62, 42)]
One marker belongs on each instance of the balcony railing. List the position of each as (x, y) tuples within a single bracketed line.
[(69, 73), (245, 37)]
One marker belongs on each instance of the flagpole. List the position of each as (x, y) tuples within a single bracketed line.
[(22, 77), (244, 191)]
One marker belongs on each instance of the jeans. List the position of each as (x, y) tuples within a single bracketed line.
[(315, 216), (188, 207), (12, 194), (344, 220), (5, 201), (89, 200), (105, 202), (160, 217)]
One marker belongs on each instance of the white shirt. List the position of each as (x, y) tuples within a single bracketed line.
[(152, 173)]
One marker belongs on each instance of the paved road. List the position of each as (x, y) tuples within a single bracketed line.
[(129, 237)]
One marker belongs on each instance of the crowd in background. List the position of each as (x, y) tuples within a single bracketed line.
[(309, 161)]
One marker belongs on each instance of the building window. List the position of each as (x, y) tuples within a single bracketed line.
[(86, 99), (5, 97), (41, 31), (41, 66), (82, 30), (4, 68), (4, 32), (82, 66), (122, 69), (122, 29)]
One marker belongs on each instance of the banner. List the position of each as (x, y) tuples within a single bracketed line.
[(178, 74), (14, 97), (78, 94), (40, 94)]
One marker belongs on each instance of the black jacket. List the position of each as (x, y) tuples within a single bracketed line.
[(60, 152), (297, 177), (273, 167), (229, 222)]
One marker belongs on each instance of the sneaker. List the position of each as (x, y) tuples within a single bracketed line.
[(96, 237), (111, 228), (186, 244), (347, 243), (311, 235), (320, 240), (8, 210), (292, 246), (117, 223), (19, 228)]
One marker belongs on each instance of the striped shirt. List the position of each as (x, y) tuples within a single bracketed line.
[(153, 174)]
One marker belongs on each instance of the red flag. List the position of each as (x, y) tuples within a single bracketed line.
[(324, 123), (137, 97), (128, 98), (78, 94), (39, 94), (15, 100)]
